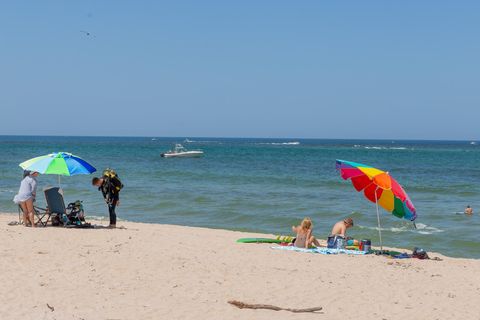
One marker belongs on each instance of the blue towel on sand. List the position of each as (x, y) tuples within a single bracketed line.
[(320, 250)]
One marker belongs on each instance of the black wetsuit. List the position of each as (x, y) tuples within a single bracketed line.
[(110, 189)]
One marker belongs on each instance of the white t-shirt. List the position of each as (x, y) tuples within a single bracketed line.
[(28, 187)]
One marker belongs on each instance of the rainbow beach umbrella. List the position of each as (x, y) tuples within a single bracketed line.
[(59, 163), (378, 187)]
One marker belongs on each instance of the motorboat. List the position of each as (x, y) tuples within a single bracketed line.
[(180, 152)]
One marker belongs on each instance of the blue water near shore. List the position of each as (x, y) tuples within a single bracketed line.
[(266, 185)]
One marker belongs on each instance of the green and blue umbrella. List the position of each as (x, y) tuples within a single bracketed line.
[(59, 163)]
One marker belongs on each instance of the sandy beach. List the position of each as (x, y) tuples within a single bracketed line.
[(151, 271)]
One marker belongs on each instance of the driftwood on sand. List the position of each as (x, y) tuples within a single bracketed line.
[(243, 305)]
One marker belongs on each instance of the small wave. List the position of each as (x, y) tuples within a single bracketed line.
[(6, 191), (201, 141), (380, 147), (292, 143), (96, 218), (392, 229), (369, 147), (425, 229), (421, 228)]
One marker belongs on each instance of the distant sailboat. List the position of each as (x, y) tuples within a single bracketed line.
[(473, 143)]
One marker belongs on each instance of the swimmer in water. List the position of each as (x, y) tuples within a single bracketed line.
[(468, 211)]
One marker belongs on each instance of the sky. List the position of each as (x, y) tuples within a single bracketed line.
[(298, 69)]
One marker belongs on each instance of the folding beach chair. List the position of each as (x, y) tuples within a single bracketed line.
[(39, 213), (71, 215)]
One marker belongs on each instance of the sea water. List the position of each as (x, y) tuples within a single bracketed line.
[(268, 185)]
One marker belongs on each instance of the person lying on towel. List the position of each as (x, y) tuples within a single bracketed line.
[(338, 236)]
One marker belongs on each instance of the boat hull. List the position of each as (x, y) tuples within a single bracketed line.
[(188, 154)]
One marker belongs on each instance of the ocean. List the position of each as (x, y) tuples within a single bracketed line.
[(268, 185)]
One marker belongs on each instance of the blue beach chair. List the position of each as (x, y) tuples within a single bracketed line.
[(69, 216)]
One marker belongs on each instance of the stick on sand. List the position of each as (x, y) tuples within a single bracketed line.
[(243, 305)]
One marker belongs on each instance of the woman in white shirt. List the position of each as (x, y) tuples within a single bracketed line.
[(26, 197)]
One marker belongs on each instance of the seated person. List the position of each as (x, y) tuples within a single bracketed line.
[(304, 237), (338, 235)]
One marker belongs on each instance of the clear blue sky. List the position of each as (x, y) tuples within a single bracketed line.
[(313, 69)]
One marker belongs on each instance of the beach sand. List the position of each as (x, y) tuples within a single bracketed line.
[(152, 271)]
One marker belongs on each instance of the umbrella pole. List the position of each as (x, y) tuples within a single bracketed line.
[(378, 220), (59, 186)]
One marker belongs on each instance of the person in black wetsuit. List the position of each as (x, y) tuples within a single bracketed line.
[(110, 188)]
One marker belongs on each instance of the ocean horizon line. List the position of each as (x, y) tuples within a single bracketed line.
[(392, 140)]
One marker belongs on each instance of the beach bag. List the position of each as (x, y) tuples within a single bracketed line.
[(75, 211), (419, 253), (336, 242), (56, 220)]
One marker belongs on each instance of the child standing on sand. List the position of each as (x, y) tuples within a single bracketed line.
[(304, 237)]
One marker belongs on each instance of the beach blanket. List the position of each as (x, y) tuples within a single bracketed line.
[(319, 250)]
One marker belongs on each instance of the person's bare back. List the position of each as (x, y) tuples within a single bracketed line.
[(340, 228), (304, 238)]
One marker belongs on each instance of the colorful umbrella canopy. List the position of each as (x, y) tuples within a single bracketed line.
[(379, 187), (60, 163)]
